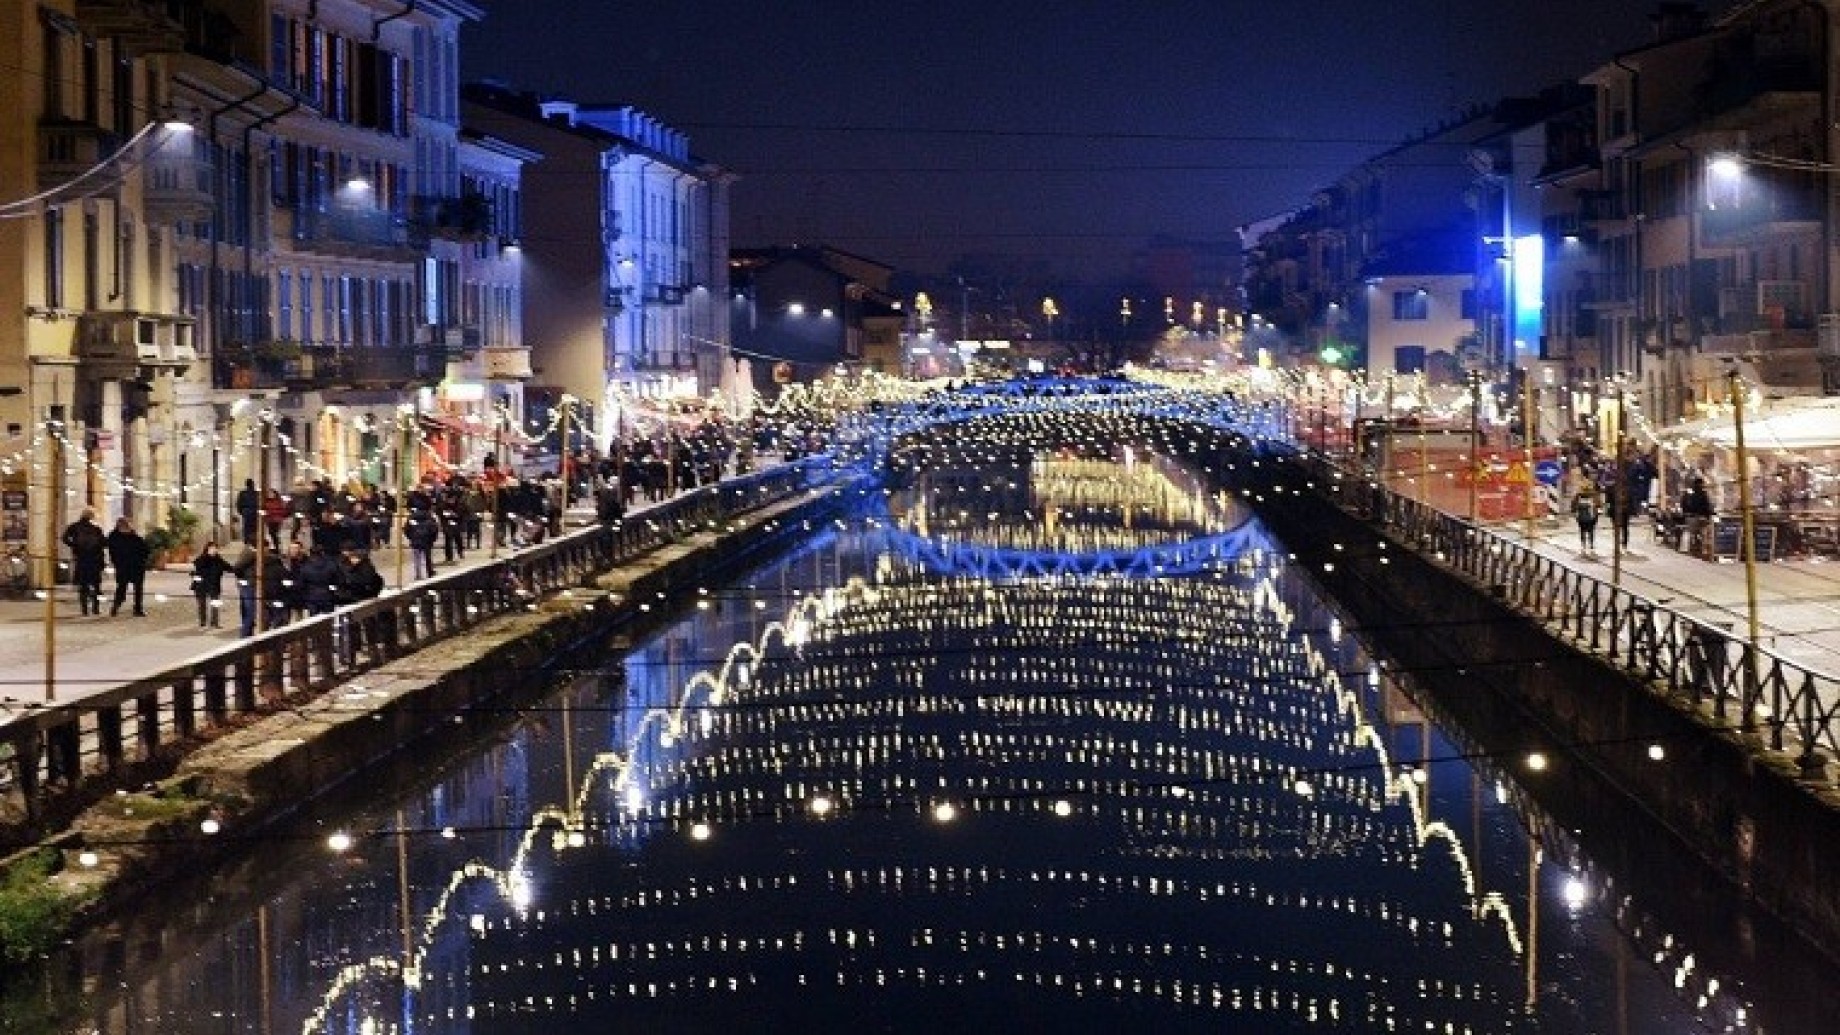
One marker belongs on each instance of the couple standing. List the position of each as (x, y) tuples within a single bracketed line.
[(126, 551)]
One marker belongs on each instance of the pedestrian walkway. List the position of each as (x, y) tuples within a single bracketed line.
[(99, 653), (1798, 600)]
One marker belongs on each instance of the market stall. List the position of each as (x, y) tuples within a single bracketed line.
[(1793, 451)]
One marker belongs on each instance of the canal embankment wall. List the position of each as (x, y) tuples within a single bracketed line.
[(1521, 688), (246, 782)]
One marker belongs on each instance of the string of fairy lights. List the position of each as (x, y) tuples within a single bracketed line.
[(838, 617), (823, 399), (829, 671), (844, 395)]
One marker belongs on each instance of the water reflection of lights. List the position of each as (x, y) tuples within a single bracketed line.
[(1282, 749)]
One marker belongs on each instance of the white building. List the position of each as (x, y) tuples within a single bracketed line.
[(1419, 323), (625, 242), (480, 406)]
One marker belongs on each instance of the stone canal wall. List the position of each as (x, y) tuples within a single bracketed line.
[(1520, 688), (249, 779)]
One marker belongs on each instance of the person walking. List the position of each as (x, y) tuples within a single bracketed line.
[(1584, 511), (275, 513), (208, 585), (88, 547), (453, 524), (269, 609), (319, 582), (1697, 510), (421, 532), (128, 552), (249, 509)]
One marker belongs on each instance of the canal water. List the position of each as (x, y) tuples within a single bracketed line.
[(1055, 743)]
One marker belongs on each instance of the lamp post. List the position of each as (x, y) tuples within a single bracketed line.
[(498, 475), (54, 429), (1475, 439), (1619, 491), (1424, 459), (1747, 515), (562, 463), (406, 416), (1528, 411), (265, 424), (1358, 385)]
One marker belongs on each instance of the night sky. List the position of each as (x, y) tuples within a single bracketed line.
[(1069, 132)]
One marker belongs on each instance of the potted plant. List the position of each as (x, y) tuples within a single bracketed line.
[(160, 542), (183, 524)]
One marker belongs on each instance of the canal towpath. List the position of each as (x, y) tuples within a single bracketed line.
[(98, 653), (1798, 598), (1798, 609)]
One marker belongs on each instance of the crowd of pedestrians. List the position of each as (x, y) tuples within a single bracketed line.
[(308, 551), (1600, 486)]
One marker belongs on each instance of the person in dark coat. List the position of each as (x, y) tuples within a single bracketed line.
[(128, 552), (273, 586), (329, 533), (249, 508), (208, 585), (358, 578), (453, 524), (88, 548), (359, 581), (609, 502), (293, 604), (421, 531), (319, 580)]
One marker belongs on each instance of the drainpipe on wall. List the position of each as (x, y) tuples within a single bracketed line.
[(214, 304), (249, 161)]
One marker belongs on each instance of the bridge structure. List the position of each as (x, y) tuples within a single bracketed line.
[(875, 431), (881, 429)]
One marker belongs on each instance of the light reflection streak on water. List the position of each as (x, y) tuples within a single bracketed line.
[(658, 741)]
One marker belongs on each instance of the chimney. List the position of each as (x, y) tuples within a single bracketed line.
[(558, 111)]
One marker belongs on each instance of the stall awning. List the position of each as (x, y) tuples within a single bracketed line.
[(1811, 425)]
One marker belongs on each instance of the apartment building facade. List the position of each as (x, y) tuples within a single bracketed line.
[(253, 245), (625, 243), (1639, 240)]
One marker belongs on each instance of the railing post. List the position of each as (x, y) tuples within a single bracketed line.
[(245, 683), (147, 724), (28, 755), (185, 718), (108, 738), (1813, 764), (216, 704), (63, 751)]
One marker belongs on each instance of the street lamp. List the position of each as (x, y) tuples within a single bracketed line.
[(1475, 439), (1747, 515), (54, 431)]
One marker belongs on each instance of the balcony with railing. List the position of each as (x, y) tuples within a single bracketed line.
[(1760, 214), (1764, 305), (1602, 207), (67, 150), (468, 217), (667, 361), (301, 366), (1766, 85), (352, 231), (178, 186), (140, 26)]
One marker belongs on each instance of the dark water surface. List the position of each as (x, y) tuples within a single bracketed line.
[(1085, 756)]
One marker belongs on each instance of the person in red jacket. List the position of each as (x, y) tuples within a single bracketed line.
[(275, 512)]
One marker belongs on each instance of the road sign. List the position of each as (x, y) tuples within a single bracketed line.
[(1547, 472)]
